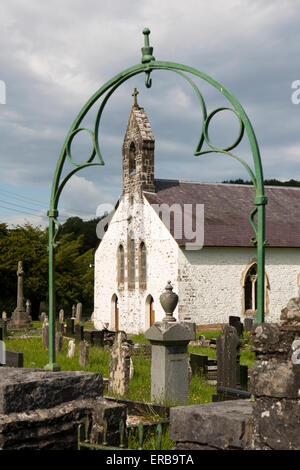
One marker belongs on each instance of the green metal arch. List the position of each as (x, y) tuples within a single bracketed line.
[(148, 65)]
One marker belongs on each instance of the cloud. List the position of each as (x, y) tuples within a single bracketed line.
[(52, 64)]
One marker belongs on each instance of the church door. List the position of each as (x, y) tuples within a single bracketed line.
[(152, 312)]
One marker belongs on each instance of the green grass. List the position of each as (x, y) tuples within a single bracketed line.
[(150, 441), (36, 356)]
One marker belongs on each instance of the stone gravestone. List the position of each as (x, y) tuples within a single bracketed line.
[(83, 353), (228, 358), (3, 324), (19, 317), (73, 311), (58, 341), (170, 373), (43, 316), (248, 324), (45, 334), (79, 332), (61, 316), (78, 312), (71, 348), (119, 366), (4, 315), (236, 322), (70, 330), (28, 307)]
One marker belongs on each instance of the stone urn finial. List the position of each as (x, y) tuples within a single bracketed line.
[(168, 300)]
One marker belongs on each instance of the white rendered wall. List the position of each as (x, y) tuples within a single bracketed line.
[(162, 266), (210, 282)]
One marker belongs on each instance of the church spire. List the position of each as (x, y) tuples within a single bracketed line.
[(138, 152)]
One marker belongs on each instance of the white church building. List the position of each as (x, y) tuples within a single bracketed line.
[(196, 235)]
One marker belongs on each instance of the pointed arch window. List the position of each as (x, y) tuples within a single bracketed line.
[(132, 159), (142, 265), (121, 265), (249, 284), (131, 262)]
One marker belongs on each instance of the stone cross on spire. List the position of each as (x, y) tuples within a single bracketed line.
[(134, 94)]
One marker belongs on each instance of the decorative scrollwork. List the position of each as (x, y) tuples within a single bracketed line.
[(69, 144)]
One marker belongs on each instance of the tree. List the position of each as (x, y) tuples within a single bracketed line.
[(29, 244)]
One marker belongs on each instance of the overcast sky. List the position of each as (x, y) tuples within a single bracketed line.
[(56, 55)]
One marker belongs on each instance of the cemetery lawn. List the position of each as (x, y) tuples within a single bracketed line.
[(36, 356)]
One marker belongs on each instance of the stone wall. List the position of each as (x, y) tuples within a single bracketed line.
[(210, 287)]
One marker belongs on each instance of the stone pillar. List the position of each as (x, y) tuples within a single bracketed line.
[(170, 358), (20, 318), (275, 382)]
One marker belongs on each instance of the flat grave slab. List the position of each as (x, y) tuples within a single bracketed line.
[(220, 425), (28, 389)]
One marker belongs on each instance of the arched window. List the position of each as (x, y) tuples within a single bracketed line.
[(121, 265), (142, 265), (132, 159), (249, 295), (131, 262)]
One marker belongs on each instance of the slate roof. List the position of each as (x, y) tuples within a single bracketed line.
[(227, 208)]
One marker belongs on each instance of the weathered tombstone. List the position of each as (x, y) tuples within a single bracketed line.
[(19, 317), (71, 348), (170, 358), (236, 322), (61, 316), (199, 364), (58, 341), (2, 350), (83, 353), (228, 358), (70, 330), (28, 307), (74, 311), (14, 359), (43, 315), (248, 324), (4, 315), (45, 334), (119, 366), (78, 311), (131, 370), (3, 324), (79, 332)]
